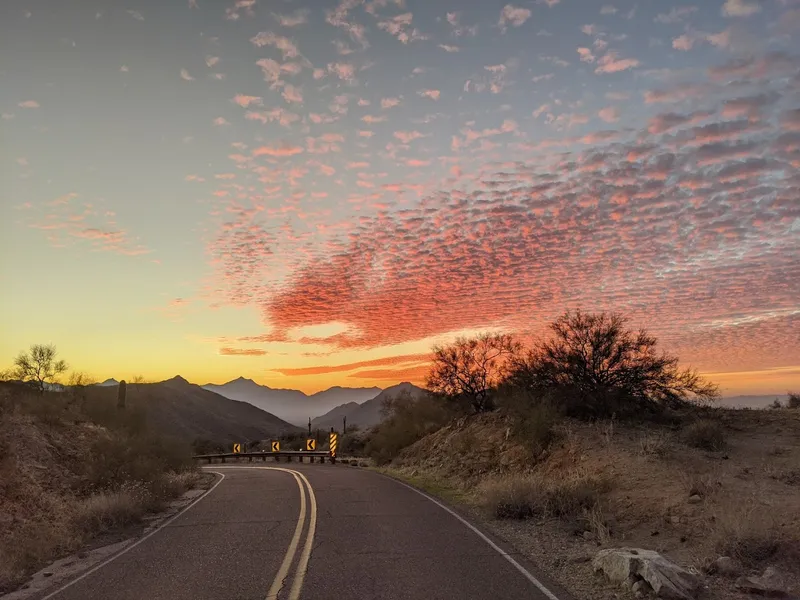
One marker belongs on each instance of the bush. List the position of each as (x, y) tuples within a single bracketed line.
[(106, 511), (654, 443), (794, 401), (533, 418), (522, 497), (600, 368), (747, 532), (705, 434), (408, 419)]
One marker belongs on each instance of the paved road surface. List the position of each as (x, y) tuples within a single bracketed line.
[(260, 534)]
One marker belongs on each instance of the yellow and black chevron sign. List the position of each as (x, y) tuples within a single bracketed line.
[(334, 443), (237, 448), (311, 444), (276, 446)]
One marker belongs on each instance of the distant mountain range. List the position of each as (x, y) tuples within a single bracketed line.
[(293, 406), (759, 401), (366, 414), (184, 410)]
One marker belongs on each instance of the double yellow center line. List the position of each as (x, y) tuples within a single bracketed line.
[(302, 565)]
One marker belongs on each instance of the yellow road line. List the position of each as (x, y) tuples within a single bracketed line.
[(283, 571), (302, 565)]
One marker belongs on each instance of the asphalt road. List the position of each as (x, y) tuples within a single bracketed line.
[(261, 534)]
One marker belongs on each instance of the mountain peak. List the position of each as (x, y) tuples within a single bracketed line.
[(177, 380)]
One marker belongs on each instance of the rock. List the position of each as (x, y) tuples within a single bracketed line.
[(47, 574), (725, 565), (675, 519), (667, 579), (588, 535), (695, 499), (641, 588), (771, 583)]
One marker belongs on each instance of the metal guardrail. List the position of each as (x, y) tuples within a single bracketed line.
[(287, 454)]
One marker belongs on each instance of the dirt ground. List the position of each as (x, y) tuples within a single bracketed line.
[(689, 504)]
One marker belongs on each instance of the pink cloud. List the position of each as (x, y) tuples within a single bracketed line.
[(740, 8), (280, 151), (609, 63), (513, 15), (29, 104), (609, 114), (432, 94)]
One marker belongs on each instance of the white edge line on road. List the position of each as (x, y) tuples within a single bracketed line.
[(139, 541), (497, 548)]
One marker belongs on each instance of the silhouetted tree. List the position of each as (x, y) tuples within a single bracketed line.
[(39, 366), (469, 370), (599, 368)]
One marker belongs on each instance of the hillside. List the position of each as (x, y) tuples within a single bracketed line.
[(293, 406), (186, 411), (637, 485), (367, 414), (74, 468)]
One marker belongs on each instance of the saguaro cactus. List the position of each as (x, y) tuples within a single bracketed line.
[(121, 393)]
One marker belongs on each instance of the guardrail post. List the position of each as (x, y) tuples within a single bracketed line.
[(223, 458), (264, 458)]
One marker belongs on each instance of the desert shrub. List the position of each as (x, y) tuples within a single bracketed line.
[(352, 443), (794, 401), (408, 419), (521, 497), (705, 434), (109, 510), (467, 372), (597, 368), (533, 418), (698, 484), (654, 443), (205, 446), (747, 532)]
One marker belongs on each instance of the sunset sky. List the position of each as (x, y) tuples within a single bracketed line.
[(313, 193)]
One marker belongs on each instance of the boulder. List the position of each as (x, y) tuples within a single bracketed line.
[(695, 499), (725, 565), (771, 583), (667, 579)]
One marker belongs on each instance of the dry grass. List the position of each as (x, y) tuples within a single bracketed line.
[(706, 435), (654, 443), (111, 510), (67, 476), (747, 531), (522, 497)]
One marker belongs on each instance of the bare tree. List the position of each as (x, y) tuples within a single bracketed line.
[(470, 370), (601, 367), (39, 366)]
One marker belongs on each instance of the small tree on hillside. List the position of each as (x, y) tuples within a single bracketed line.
[(469, 370), (794, 400), (39, 366), (600, 367)]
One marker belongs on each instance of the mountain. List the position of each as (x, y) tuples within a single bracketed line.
[(291, 405), (762, 401), (367, 414), (184, 410), (108, 383)]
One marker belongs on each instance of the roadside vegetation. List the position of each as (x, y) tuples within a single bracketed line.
[(593, 437), (74, 467)]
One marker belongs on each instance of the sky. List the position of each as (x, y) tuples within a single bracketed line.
[(313, 193)]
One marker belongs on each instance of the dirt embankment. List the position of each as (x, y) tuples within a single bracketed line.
[(73, 473), (610, 485)]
